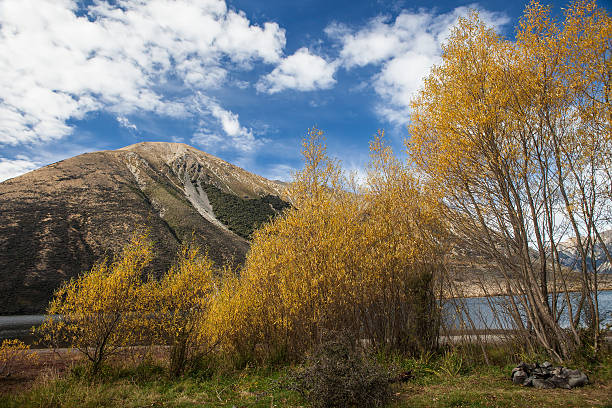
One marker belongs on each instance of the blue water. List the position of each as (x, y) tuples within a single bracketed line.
[(480, 311), (483, 311)]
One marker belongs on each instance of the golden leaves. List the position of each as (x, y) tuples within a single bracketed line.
[(113, 305), (13, 354), (337, 259)]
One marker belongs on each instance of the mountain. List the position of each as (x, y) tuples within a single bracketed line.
[(55, 222), (570, 256)]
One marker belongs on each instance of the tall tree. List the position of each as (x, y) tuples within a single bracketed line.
[(516, 136)]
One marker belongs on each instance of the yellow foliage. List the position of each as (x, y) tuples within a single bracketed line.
[(13, 353), (113, 306), (337, 260), (178, 304), (95, 313)]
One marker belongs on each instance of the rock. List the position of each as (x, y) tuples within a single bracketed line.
[(519, 377), (546, 376), (542, 384), (578, 381), (559, 382)]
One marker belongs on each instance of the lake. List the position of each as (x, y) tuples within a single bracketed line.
[(482, 313), (479, 309)]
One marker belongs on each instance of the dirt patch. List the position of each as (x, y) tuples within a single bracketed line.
[(48, 364)]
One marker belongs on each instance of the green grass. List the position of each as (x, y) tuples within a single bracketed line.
[(149, 387), (437, 381)]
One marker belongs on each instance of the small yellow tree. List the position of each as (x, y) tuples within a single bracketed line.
[(95, 313), (178, 304), (13, 354)]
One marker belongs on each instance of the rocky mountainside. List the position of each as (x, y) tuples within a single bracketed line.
[(55, 222), (570, 256)]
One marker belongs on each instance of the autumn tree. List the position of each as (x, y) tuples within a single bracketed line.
[(340, 259), (515, 135), (177, 305), (95, 313)]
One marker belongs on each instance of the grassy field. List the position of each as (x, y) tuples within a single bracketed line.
[(438, 381)]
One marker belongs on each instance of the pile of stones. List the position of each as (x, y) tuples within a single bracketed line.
[(546, 376)]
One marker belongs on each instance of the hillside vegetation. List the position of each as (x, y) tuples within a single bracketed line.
[(243, 215)]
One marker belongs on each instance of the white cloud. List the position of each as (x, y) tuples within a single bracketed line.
[(282, 172), (236, 137), (10, 168), (59, 65), (405, 48), (125, 122), (301, 71)]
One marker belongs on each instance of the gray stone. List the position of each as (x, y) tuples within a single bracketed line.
[(578, 381), (542, 383), (560, 382), (519, 377), (547, 376)]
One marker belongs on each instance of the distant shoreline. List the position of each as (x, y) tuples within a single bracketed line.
[(476, 290)]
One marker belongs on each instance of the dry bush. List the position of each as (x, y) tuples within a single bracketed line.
[(13, 355), (338, 375)]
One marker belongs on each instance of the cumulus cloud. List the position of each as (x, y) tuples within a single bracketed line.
[(229, 135), (405, 49), (10, 168), (302, 71), (60, 62)]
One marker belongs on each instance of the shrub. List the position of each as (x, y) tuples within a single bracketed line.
[(113, 306), (178, 304), (337, 375), (95, 313), (13, 353), (359, 261)]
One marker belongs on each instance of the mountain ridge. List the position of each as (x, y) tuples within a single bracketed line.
[(58, 220)]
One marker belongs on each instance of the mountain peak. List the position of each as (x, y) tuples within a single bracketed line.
[(60, 219)]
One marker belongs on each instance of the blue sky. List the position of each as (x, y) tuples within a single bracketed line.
[(240, 79)]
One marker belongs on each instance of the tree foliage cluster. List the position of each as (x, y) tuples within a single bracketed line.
[(360, 261), (516, 138), (114, 305)]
